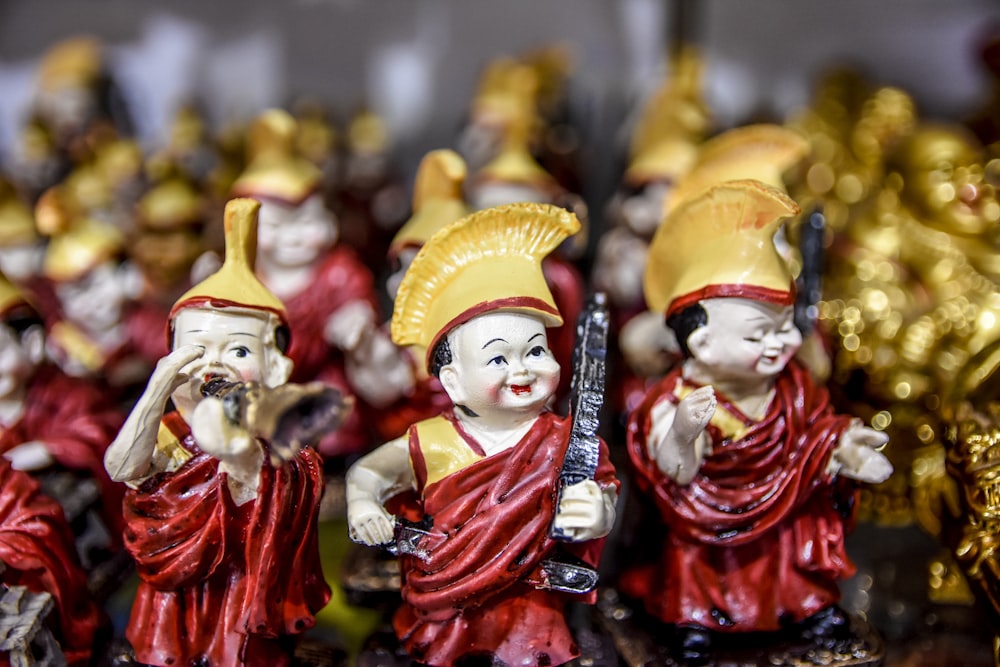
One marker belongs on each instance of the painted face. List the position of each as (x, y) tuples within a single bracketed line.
[(502, 364), (236, 348), (295, 236), (746, 339), (16, 366), (94, 301)]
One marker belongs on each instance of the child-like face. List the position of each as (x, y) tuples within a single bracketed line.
[(745, 339), (295, 236), (501, 364), (96, 300), (235, 343)]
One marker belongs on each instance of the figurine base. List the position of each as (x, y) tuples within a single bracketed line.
[(640, 645), (370, 578)]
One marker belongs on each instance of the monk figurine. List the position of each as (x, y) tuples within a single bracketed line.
[(329, 293), (50, 421), (96, 330), (751, 472), (220, 521), (486, 471), (37, 553)]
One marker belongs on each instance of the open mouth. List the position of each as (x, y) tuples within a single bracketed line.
[(520, 389)]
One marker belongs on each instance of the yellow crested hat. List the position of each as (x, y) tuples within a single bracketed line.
[(234, 285), (669, 158), (170, 204), (720, 244), (275, 171), (77, 243), (488, 261), (515, 164), (76, 61), (437, 199), (760, 152)]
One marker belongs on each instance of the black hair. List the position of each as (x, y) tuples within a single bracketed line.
[(282, 337), (441, 356), (21, 318), (685, 323)]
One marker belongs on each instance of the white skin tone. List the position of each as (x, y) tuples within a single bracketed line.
[(490, 194), (94, 302), (290, 242), (740, 352), (619, 265), (19, 358), (643, 211), (503, 372), (232, 343), (23, 261)]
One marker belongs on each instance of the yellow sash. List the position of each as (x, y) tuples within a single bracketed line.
[(444, 450)]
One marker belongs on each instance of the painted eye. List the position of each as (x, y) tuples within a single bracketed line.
[(498, 360), (751, 339), (241, 351), (536, 351)]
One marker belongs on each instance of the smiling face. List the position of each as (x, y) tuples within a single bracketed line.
[(96, 300), (239, 347), (745, 339), (295, 236), (501, 365)]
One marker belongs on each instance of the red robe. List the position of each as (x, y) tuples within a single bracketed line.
[(222, 585), (36, 546), (756, 538), (340, 279), (472, 594), (76, 423)]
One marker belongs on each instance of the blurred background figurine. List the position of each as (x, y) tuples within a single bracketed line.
[(750, 470), (223, 499), (479, 581), (330, 295)]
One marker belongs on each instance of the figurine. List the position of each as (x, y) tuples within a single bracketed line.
[(168, 238), (762, 152), (370, 198), (95, 330), (437, 202), (49, 420), (487, 471), (514, 176), (330, 295), (37, 552), (224, 536), (751, 472)]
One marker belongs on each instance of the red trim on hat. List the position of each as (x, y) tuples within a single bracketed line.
[(752, 292), (508, 303), (212, 302)]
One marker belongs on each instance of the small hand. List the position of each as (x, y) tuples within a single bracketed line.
[(369, 523), (349, 325), (857, 457), (583, 512), (31, 455), (168, 369), (694, 411)]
